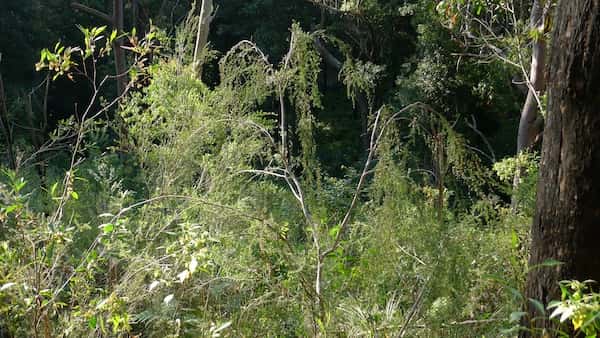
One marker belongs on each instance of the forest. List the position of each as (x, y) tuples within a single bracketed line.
[(299, 168)]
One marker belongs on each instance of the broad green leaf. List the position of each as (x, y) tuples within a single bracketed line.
[(107, 228)]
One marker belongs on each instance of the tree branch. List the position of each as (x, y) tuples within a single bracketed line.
[(329, 58), (93, 11)]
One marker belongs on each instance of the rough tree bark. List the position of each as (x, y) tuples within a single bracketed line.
[(566, 226), (204, 21)]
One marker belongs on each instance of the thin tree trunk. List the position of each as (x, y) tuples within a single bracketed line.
[(528, 130), (204, 20), (566, 226), (360, 97), (116, 22), (119, 53), (135, 13), (529, 124), (4, 123)]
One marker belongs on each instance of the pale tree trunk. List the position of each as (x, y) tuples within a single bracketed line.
[(530, 123), (204, 21), (566, 226), (528, 128)]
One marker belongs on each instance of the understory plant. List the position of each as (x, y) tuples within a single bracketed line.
[(228, 226)]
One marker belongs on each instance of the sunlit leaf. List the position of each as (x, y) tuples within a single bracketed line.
[(168, 299)]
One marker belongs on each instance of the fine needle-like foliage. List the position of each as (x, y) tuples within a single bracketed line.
[(203, 206)]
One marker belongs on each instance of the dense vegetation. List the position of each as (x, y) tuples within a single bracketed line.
[(319, 168)]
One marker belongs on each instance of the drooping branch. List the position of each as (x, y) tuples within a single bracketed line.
[(377, 133), (93, 12)]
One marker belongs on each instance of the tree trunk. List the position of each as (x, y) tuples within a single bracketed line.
[(566, 226), (360, 97), (528, 129), (6, 130), (116, 22), (530, 126), (204, 21), (117, 19)]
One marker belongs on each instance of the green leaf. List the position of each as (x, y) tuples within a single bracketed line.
[(515, 239), (53, 189), (99, 30), (515, 317), (334, 231), (11, 208), (546, 264), (75, 195), (590, 321), (538, 306), (20, 185), (107, 228), (92, 322)]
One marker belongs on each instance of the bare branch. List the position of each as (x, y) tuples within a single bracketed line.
[(414, 309), (329, 58), (93, 11), (473, 125)]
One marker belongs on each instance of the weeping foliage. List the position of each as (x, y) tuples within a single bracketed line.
[(212, 238)]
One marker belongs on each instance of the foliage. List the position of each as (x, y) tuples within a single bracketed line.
[(213, 213), (579, 305), (527, 163)]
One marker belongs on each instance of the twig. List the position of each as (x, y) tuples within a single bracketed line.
[(416, 306)]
